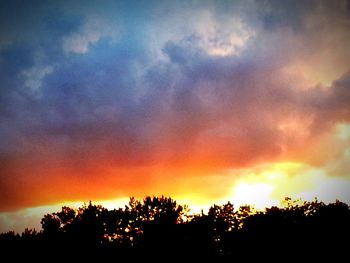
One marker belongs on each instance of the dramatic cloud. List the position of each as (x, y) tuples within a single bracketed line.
[(107, 100)]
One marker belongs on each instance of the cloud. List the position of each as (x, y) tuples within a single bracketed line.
[(187, 90), (35, 76), (202, 28), (92, 30), (219, 37)]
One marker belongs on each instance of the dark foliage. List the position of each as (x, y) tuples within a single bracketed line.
[(158, 229)]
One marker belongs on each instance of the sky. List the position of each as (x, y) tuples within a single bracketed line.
[(203, 101)]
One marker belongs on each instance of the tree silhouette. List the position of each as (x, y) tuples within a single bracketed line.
[(51, 225), (154, 223), (159, 228)]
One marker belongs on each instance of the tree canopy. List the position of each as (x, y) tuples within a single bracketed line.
[(159, 227)]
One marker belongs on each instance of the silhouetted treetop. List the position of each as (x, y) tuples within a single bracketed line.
[(159, 226)]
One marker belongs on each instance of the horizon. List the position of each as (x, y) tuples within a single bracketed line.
[(203, 101)]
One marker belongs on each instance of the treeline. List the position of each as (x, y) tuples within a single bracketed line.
[(159, 229)]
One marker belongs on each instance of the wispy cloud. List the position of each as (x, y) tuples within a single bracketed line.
[(34, 76), (91, 31)]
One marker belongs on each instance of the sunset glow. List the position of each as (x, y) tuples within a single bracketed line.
[(203, 101)]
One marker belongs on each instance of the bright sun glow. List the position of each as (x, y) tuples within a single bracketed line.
[(258, 195), (268, 186)]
